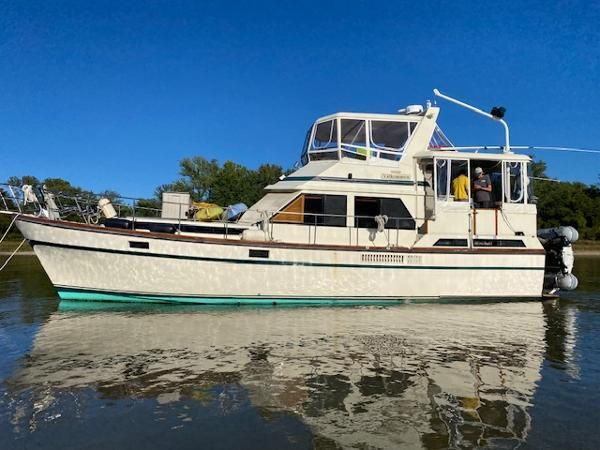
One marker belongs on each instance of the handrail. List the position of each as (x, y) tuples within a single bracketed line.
[(85, 207)]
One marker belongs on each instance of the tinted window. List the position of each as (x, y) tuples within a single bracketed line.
[(364, 211), (392, 135), (366, 208), (498, 243), (254, 253), (451, 243), (328, 210)]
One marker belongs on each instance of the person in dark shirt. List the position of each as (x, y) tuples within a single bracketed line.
[(482, 189)]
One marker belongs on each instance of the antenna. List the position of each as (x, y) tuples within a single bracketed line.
[(497, 114)]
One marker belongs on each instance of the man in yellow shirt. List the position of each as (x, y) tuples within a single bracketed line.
[(460, 187)]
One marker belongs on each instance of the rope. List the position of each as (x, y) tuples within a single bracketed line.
[(506, 221), (12, 254), (381, 221), (9, 227)]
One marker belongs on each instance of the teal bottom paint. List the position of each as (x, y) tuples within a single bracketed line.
[(73, 294)]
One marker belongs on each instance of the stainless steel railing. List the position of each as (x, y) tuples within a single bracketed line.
[(84, 208)]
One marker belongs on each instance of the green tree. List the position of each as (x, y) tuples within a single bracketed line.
[(225, 185), (25, 179)]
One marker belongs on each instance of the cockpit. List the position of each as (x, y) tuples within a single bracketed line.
[(359, 136)]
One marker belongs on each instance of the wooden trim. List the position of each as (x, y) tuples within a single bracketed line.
[(293, 212), (496, 217)]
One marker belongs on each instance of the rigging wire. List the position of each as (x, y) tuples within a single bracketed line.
[(521, 147)]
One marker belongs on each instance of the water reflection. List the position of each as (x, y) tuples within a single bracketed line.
[(416, 375), (433, 375)]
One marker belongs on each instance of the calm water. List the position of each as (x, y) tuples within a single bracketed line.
[(518, 374)]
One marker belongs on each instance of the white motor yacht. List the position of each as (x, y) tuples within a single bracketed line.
[(374, 213)]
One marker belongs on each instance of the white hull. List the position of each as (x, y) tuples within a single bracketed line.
[(87, 262)]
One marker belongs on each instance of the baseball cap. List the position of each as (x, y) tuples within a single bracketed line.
[(478, 170)]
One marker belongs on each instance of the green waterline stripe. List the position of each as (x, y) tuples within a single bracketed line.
[(75, 295), (276, 263), (90, 295), (79, 289)]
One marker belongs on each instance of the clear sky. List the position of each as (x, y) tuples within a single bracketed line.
[(111, 95)]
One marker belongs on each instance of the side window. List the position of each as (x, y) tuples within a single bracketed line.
[(442, 181), (315, 209), (513, 182), (452, 180), (529, 182), (366, 208), (324, 144), (325, 135), (304, 154)]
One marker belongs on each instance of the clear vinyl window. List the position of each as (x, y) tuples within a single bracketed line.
[(389, 135), (325, 135)]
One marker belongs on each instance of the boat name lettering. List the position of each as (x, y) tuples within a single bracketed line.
[(395, 176)]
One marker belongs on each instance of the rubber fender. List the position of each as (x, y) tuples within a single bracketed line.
[(567, 281)]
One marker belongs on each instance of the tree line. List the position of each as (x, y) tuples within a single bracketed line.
[(561, 203), (564, 203)]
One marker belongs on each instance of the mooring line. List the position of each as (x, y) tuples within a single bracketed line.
[(12, 254)]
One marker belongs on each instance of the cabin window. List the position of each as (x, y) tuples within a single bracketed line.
[(304, 156), (325, 135), (366, 208), (439, 139), (354, 132), (315, 209), (389, 135), (354, 138), (531, 198), (448, 184), (450, 243), (513, 182), (442, 181), (324, 144), (498, 243)]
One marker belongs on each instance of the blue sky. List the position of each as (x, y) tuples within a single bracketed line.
[(111, 95)]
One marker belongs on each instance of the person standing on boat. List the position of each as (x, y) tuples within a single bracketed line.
[(482, 189), (460, 187)]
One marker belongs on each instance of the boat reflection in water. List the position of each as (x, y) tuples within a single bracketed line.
[(418, 375)]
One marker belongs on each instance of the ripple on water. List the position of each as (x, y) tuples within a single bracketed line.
[(415, 375)]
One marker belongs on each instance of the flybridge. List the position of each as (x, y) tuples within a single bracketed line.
[(360, 136), (383, 138)]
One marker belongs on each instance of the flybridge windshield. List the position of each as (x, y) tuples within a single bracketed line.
[(357, 138), (439, 139), (390, 135)]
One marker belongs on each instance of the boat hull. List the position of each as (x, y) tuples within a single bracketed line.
[(94, 263)]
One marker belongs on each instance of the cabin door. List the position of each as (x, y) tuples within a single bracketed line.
[(452, 186)]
